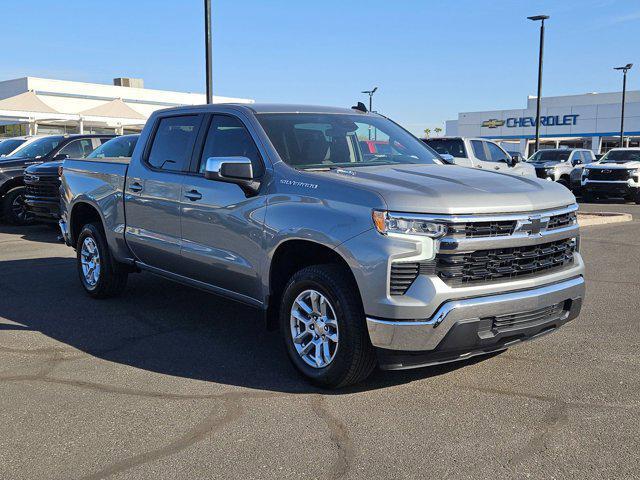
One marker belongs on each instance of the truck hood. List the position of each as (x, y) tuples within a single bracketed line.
[(452, 189), (48, 168), (614, 166), (7, 163)]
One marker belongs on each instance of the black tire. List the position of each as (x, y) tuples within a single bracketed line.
[(564, 182), (637, 199), (355, 357), (112, 278), (14, 209)]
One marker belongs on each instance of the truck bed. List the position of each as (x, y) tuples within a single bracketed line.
[(99, 183)]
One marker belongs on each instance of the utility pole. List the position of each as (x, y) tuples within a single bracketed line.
[(542, 18), (207, 37)]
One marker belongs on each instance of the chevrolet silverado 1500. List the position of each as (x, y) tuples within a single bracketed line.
[(360, 259)]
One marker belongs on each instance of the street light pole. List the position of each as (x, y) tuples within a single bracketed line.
[(624, 69), (542, 18), (207, 46)]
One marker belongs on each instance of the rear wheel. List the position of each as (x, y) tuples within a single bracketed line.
[(323, 326), (100, 276), (14, 207)]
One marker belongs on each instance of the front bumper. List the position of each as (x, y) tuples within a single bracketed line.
[(619, 187), (482, 324)]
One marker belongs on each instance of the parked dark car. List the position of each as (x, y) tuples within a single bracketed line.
[(46, 149), (42, 181)]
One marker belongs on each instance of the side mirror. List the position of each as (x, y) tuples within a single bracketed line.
[(447, 158), (60, 156), (577, 161), (516, 158), (238, 170)]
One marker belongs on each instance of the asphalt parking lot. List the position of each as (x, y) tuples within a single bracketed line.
[(169, 382)]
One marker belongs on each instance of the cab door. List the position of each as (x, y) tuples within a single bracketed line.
[(222, 226), (153, 192), (481, 158)]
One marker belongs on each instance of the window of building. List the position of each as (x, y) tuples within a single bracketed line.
[(173, 143)]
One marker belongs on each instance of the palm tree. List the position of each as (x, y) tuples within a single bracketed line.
[(427, 131), (437, 130)]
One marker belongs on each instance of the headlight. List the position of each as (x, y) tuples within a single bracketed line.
[(585, 172), (386, 222), (549, 171)]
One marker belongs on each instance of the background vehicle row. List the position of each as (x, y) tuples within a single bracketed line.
[(13, 204)]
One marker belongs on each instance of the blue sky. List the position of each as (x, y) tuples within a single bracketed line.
[(430, 59)]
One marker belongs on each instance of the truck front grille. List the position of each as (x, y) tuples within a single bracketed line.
[(483, 229), (611, 175), (42, 189), (500, 264)]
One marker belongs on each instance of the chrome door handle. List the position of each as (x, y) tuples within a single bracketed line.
[(496, 168), (479, 166), (135, 187), (193, 195)]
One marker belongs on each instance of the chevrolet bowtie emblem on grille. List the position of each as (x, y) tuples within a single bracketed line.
[(533, 225), (493, 123), (605, 171)]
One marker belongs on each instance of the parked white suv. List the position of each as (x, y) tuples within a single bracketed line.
[(479, 153)]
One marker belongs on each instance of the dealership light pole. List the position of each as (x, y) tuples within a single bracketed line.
[(624, 69), (542, 18), (370, 93), (207, 47)]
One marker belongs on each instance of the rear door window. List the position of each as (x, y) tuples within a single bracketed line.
[(478, 150), (173, 143)]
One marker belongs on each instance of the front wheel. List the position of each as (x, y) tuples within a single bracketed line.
[(323, 326), (15, 209), (100, 276)]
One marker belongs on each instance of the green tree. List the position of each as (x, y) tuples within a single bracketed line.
[(437, 130), (427, 131)]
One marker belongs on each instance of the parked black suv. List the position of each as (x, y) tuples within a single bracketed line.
[(42, 181), (50, 148)]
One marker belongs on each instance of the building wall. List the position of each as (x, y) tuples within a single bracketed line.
[(580, 116)]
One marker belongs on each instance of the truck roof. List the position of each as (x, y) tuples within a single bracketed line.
[(273, 108)]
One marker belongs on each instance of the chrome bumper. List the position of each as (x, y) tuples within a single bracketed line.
[(65, 232), (425, 335)]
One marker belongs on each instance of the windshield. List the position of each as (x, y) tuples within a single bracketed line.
[(449, 146), (316, 140), (621, 156), (39, 148), (116, 147), (551, 156), (8, 146)]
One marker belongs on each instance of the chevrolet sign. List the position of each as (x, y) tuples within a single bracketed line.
[(493, 123)]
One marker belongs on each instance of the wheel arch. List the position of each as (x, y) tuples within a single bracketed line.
[(289, 257)]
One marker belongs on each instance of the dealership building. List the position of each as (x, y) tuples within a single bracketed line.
[(30, 106), (590, 121)]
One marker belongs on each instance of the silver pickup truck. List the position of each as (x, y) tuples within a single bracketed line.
[(360, 259)]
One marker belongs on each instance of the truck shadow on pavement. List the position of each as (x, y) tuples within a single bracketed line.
[(162, 327)]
